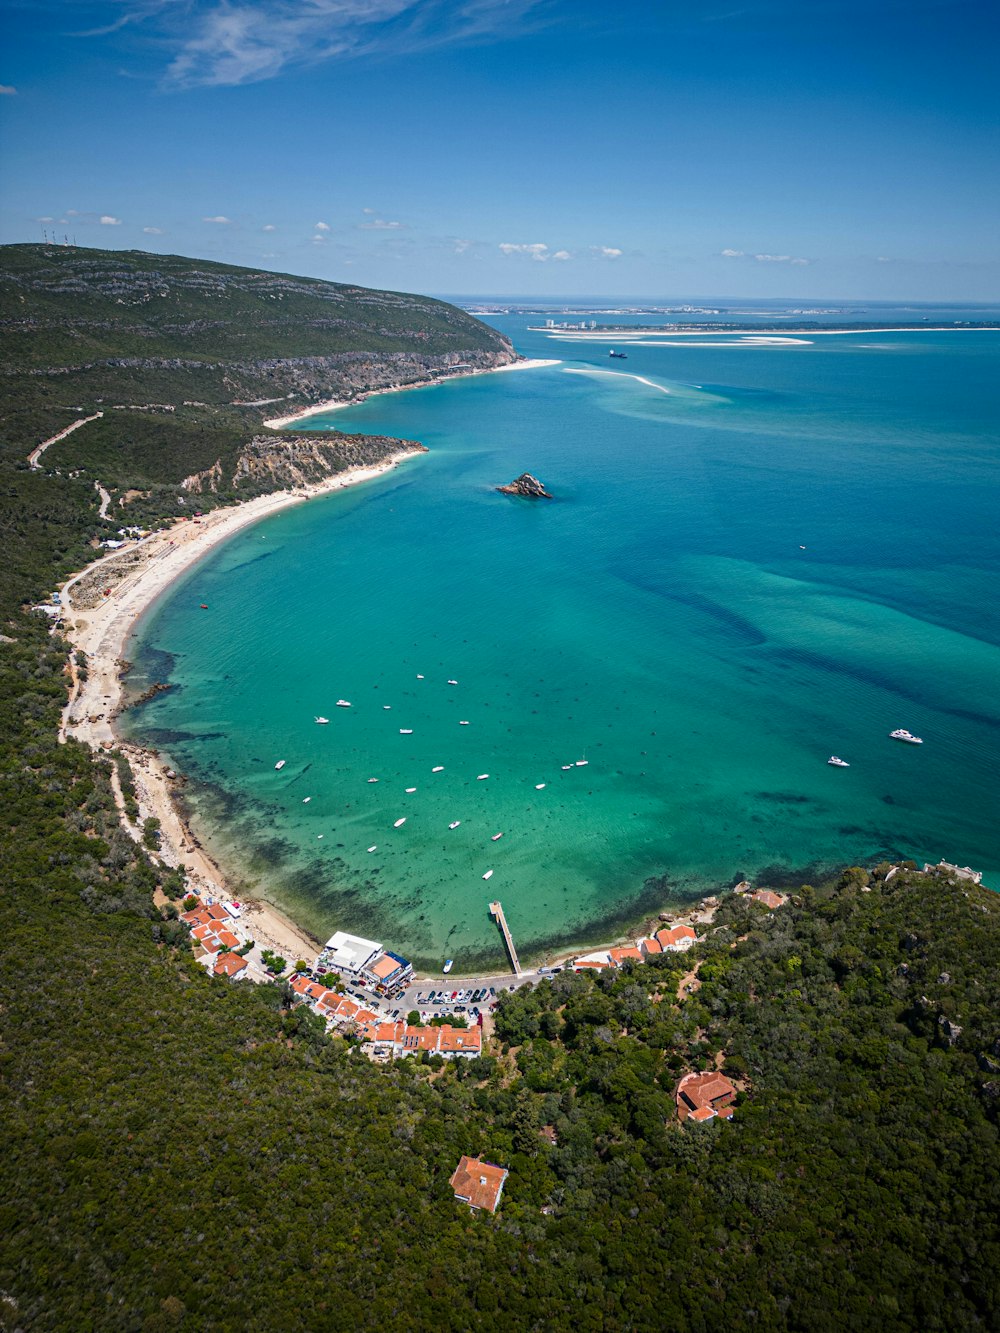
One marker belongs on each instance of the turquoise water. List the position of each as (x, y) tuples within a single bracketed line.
[(659, 619)]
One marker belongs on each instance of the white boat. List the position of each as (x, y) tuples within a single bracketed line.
[(488, 874), (373, 847), (463, 724), (280, 764), (419, 677), (582, 763), (373, 779), (455, 823), (399, 822), (343, 703), (410, 789), (406, 731), (439, 769), (481, 777), (322, 721), (306, 800), (539, 786), (901, 735), (566, 767), (453, 682), (387, 707), (448, 965), (838, 763), (496, 837)]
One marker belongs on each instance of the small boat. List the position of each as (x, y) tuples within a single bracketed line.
[(399, 822), (582, 763), (482, 776), (319, 837), (488, 875), (539, 786), (373, 847), (449, 964), (343, 703), (838, 763), (373, 779), (902, 735), (455, 823), (280, 764), (204, 606), (406, 731), (453, 682), (419, 677), (496, 837), (463, 724), (387, 707), (322, 721), (439, 769), (410, 789), (566, 767), (306, 800), (618, 356)]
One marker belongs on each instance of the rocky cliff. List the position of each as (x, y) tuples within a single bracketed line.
[(528, 486)]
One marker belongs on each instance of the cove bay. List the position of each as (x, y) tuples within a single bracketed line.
[(758, 555)]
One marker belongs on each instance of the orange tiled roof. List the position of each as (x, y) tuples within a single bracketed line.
[(460, 1039), (589, 962), (768, 898), (228, 939), (619, 955), (651, 946), (218, 912), (229, 965), (709, 1091), (478, 1183), (384, 968)]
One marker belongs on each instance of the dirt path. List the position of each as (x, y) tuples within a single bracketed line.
[(36, 454)]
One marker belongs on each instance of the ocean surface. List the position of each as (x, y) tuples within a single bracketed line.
[(757, 556)]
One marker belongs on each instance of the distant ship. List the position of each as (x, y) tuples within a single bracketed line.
[(618, 356), (900, 735), (838, 763), (322, 721)]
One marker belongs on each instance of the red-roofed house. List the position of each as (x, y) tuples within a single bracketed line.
[(478, 1183), (619, 956), (705, 1096), (597, 961), (227, 939), (676, 940), (459, 1043), (650, 946), (229, 965), (768, 897)]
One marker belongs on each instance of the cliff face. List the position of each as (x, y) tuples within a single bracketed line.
[(273, 463)]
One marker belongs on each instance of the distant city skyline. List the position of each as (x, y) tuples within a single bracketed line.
[(519, 148)]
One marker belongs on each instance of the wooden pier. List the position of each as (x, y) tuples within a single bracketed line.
[(496, 911)]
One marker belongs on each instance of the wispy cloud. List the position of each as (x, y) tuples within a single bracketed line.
[(733, 254), (380, 224), (222, 221), (226, 42), (269, 226), (319, 226), (606, 251), (779, 259), (562, 254), (153, 231), (7, 90), (108, 221), (535, 250)]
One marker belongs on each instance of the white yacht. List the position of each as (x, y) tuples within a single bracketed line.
[(463, 724), (455, 823), (322, 721), (406, 731), (343, 703), (306, 800), (453, 682), (448, 966), (438, 769), (488, 875), (539, 786), (373, 847), (399, 822), (582, 763), (901, 735), (838, 763), (496, 837), (410, 789), (373, 779), (280, 764), (482, 776)]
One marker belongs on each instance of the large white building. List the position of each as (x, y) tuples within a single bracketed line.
[(349, 953)]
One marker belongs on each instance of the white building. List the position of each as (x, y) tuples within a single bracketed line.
[(349, 953)]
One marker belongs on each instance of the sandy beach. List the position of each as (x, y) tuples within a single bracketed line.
[(335, 404), (101, 605)]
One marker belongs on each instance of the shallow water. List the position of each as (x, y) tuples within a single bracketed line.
[(660, 619)]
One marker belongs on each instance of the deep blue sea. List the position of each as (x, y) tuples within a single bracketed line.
[(757, 556)]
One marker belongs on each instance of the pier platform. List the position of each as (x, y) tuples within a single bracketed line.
[(496, 911)]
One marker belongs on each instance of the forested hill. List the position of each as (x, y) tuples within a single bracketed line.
[(173, 365)]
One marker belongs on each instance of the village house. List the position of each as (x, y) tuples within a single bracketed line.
[(676, 940), (478, 1183), (387, 971), (705, 1096), (622, 955), (768, 898), (229, 965), (383, 1041), (348, 953)]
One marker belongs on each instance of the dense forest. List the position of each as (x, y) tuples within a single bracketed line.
[(185, 1153)]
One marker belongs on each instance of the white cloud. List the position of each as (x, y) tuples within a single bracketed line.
[(7, 90), (562, 254), (321, 226), (882, 259), (606, 251), (318, 238), (380, 224), (108, 221), (153, 231), (732, 254), (269, 226), (222, 221), (45, 219), (537, 250), (779, 259), (236, 42), (461, 245)]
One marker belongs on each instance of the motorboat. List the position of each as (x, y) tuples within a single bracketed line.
[(438, 769), (399, 822), (481, 777), (582, 763), (406, 731), (410, 789), (343, 703), (900, 734), (838, 763), (322, 721), (373, 847), (539, 786), (488, 875), (453, 682), (280, 764), (463, 724), (306, 800), (496, 837), (373, 779), (455, 823), (449, 964)]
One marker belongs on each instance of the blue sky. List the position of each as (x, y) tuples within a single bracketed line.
[(822, 148)]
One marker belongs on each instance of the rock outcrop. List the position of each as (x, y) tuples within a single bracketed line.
[(526, 485)]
